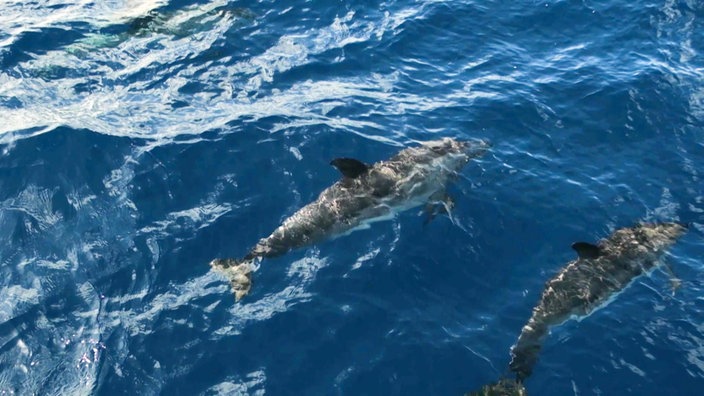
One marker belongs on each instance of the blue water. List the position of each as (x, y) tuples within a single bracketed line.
[(141, 139)]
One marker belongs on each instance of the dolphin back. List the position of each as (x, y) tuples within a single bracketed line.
[(504, 387)]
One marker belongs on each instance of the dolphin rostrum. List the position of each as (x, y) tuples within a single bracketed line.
[(584, 285), (365, 194)]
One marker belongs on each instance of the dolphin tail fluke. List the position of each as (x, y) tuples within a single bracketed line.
[(238, 272), (504, 387), (524, 355)]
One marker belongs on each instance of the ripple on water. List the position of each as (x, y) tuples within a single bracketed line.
[(142, 138)]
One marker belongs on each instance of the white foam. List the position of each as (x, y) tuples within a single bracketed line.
[(14, 298), (128, 106), (252, 384)]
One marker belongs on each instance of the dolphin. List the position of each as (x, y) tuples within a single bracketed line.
[(149, 20), (365, 194), (584, 285)]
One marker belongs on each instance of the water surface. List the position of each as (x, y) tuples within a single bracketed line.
[(141, 139)]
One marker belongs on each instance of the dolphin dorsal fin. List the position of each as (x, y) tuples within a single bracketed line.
[(586, 250), (350, 167)]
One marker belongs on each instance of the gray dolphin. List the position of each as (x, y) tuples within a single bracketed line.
[(179, 24), (599, 273), (365, 194)]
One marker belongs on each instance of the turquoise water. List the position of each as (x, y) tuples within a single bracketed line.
[(141, 139)]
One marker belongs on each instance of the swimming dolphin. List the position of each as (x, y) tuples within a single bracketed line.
[(599, 273), (365, 194), (179, 24)]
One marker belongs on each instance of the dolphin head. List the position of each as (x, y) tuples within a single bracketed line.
[(645, 239), (448, 146), (451, 153), (658, 236)]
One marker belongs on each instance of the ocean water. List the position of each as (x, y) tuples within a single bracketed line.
[(141, 139)]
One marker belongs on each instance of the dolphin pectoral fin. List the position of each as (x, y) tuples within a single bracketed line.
[(430, 213), (440, 203), (350, 167), (238, 272), (586, 250), (503, 387), (675, 282)]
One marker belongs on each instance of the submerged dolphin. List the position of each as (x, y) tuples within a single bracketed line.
[(179, 24), (365, 194), (584, 285)]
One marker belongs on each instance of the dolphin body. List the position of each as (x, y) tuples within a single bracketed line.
[(365, 194), (179, 24), (599, 273)]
